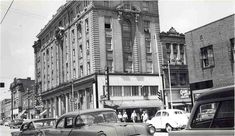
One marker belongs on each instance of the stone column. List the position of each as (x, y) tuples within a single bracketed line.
[(178, 54), (59, 106), (172, 53), (66, 103)]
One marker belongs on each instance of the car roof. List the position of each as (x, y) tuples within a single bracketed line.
[(35, 120), (74, 113), (222, 92), (171, 110)]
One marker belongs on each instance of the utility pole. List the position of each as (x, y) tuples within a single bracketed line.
[(169, 74), (28, 103), (11, 104)]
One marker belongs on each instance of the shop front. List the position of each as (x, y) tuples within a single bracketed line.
[(181, 99)]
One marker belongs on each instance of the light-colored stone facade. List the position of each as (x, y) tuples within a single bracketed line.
[(83, 38)]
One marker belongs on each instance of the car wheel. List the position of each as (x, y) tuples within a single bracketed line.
[(168, 128)]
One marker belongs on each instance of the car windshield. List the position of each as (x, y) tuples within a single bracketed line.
[(97, 117), (44, 123)]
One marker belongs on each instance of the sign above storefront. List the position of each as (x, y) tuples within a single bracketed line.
[(184, 93)]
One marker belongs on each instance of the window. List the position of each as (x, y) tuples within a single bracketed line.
[(148, 43), (165, 113), (110, 64), (80, 51), (87, 25), (106, 3), (87, 47), (69, 122), (158, 114), (144, 91), (81, 71), (60, 124), (182, 78), (174, 80), (145, 5), (108, 41), (225, 115), (207, 56), (88, 68), (117, 91), (127, 90), (204, 115), (149, 65), (146, 25), (79, 31), (127, 46), (107, 23), (135, 91), (153, 90), (73, 36)]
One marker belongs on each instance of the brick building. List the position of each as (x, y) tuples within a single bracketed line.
[(23, 97), (174, 53), (83, 40), (6, 109), (210, 50)]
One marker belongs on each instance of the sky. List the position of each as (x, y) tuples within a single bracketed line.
[(26, 18)]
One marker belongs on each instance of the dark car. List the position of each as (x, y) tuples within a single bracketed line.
[(16, 123), (212, 114), (34, 127), (97, 122)]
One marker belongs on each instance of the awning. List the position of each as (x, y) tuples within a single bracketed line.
[(42, 113), (20, 114), (134, 104)]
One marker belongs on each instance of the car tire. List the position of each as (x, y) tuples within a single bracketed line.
[(168, 128)]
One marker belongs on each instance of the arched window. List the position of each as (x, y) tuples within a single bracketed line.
[(127, 46)]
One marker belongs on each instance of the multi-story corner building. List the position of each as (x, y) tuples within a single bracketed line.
[(83, 40), (175, 63), (6, 109), (210, 52), (23, 97)]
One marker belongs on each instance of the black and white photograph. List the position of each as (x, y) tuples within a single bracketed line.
[(117, 67)]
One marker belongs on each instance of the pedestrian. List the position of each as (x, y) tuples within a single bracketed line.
[(144, 117), (133, 116), (120, 116), (124, 117)]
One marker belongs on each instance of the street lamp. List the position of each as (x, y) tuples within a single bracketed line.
[(170, 83)]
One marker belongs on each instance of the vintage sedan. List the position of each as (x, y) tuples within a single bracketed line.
[(212, 114), (169, 119), (34, 127), (97, 122)]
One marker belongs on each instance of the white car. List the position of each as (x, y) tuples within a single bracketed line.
[(169, 119)]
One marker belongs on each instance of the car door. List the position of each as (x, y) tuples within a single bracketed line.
[(63, 127), (164, 119), (30, 131), (157, 120)]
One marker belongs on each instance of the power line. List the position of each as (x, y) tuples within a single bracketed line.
[(7, 11)]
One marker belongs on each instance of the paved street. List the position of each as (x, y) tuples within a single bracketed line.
[(6, 131), (161, 133)]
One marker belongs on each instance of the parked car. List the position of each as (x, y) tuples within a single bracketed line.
[(1, 122), (212, 114), (16, 123), (97, 122), (34, 127), (169, 119), (6, 123)]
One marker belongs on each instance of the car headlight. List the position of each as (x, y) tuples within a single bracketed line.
[(151, 129), (101, 133)]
